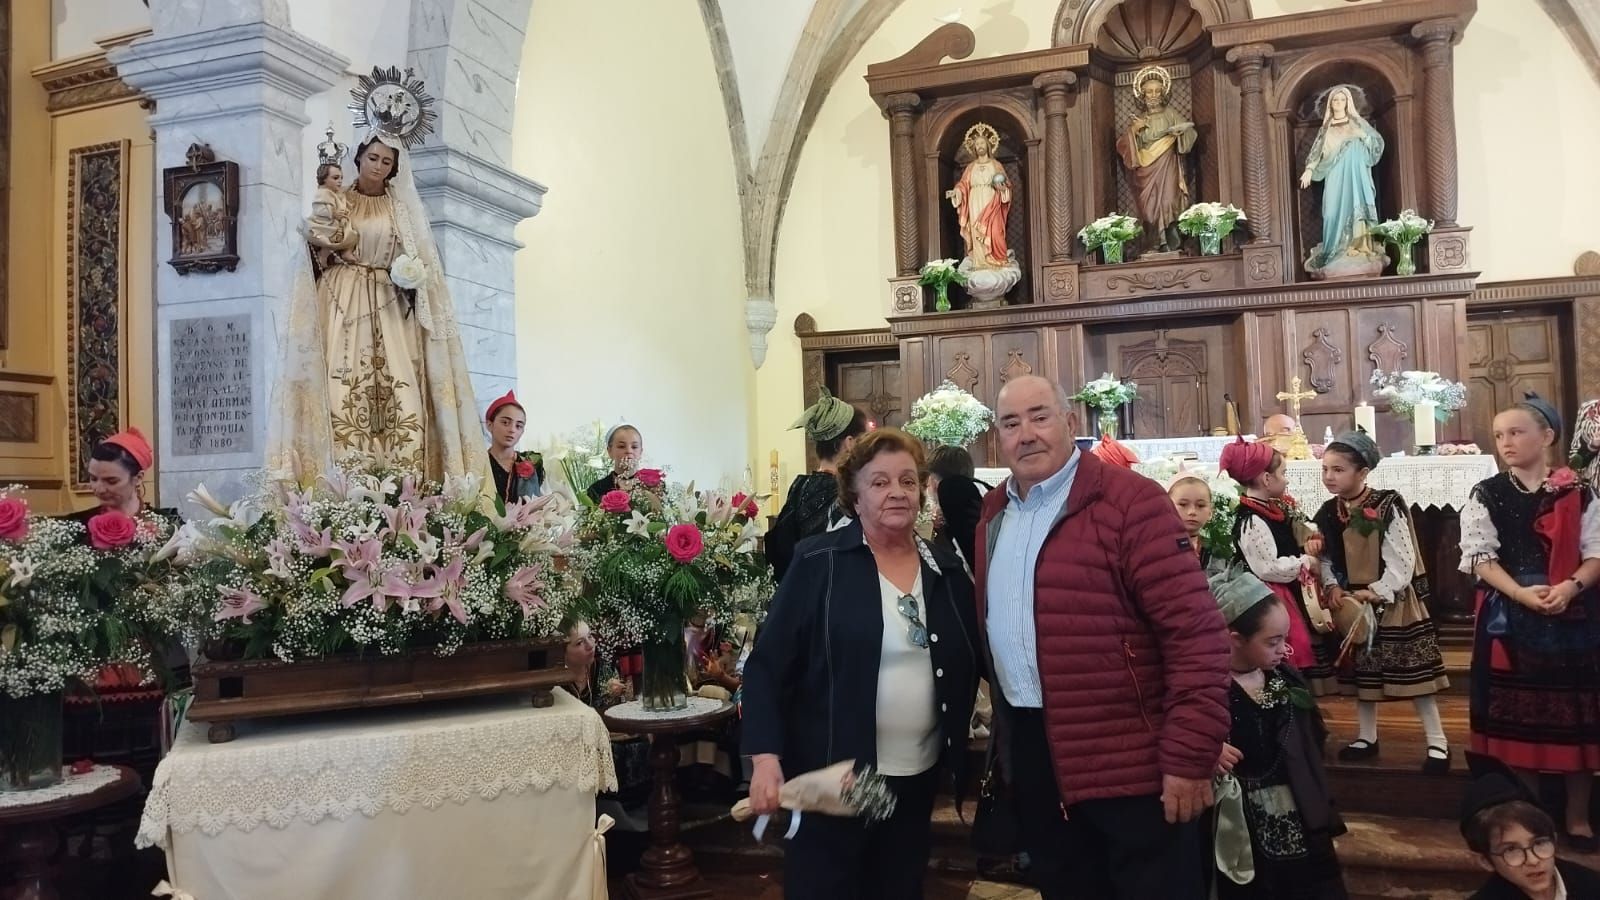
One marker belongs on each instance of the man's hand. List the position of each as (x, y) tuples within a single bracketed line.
[(766, 782), (1230, 757), (1183, 798)]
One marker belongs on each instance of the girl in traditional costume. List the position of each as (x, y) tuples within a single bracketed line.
[(1370, 559), (1272, 538), (1532, 537), (625, 448), (1191, 497), (832, 426), (1274, 753), (517, 475)]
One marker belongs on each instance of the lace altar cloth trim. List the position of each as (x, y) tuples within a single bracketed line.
[(71, 786), (1439, 481), (372, 762), (634, 711)]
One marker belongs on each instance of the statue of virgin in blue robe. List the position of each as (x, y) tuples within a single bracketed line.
[(1342, 157)]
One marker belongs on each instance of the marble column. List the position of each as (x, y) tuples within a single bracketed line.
[(1439, 116), (1250, 59), (468, 52), (902, 110), (234, 76)]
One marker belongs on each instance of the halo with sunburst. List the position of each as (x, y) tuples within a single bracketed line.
[(393, 104)]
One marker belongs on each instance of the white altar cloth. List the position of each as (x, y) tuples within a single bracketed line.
[(484, 799)]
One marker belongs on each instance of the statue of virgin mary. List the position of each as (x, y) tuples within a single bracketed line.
[(1342, 156), (373, 367)]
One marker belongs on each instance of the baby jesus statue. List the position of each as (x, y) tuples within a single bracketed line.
[(328, 228)]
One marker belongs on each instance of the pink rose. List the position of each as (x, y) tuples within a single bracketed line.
[(651, 478), (13, 519), (745, 505), (1370, 513), (524, 469), (112, 529), (684, 542), (1561, 479), (615, 502)]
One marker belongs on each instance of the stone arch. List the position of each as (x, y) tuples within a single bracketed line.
[(1077, 21)]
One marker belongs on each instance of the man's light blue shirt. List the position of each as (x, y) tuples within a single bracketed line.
[(1013, 642)]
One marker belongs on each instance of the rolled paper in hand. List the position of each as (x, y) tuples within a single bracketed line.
[(835, 791)]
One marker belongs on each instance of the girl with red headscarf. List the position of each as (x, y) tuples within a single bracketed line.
[(1270, 537), (517, 474)]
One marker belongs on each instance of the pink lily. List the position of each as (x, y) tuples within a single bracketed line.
[(407, 522), (447, 584), (523, 588), (238, 603)]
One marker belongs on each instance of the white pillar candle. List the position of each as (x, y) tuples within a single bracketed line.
[(1422, 418), (1367, 418)]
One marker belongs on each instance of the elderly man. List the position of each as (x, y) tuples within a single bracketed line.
[(1110, 662)]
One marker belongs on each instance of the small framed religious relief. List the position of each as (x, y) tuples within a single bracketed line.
[(202, 200)]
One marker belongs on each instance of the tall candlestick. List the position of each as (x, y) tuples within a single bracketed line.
[(1367, 418), (772, 478), (1422, 418)]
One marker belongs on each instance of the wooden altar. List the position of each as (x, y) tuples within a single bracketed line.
[(1192, 331)]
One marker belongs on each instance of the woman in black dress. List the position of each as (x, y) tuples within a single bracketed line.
[(833, 426), (117, 467), (517, 476)]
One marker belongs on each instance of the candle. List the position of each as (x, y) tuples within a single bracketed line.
[(1367, 418), (1422, 418)]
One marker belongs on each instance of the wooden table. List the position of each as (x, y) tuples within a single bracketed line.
[(28, 832), (669, 870)]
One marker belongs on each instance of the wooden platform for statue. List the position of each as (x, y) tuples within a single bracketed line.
[(228, 691)]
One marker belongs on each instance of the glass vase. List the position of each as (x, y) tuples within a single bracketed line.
[(1108, 423), (941, 297), (1210, 243), (1404, 264), (30, 742), (664, 684), (1111, 252)]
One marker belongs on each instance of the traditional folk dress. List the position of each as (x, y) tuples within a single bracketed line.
[(811, 509), (511, 487), (1535, 678), (1291, 819), (1371, 545), (1265, 539)]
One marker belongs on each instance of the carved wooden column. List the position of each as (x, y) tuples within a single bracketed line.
[(1448, 246), (902, 112), (1060, 273), (1262, 257)]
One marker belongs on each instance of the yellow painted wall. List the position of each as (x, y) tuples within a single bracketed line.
[(1528, 180), (630, 290)]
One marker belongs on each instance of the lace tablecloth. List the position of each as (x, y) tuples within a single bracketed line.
[(480, 798), (70, 786), (1440, 481)]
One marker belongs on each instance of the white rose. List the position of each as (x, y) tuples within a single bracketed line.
[(407, 272)]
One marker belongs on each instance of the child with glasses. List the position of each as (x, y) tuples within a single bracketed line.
[(1516, 841)]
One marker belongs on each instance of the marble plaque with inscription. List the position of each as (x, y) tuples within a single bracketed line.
[(213, 403)]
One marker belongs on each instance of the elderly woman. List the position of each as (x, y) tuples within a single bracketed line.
[(833, 427), (868, 654)]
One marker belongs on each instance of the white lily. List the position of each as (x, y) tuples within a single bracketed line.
[(202, 497), (180, 546), (21, 572), (748, 537), (485, 550), (639, 524)]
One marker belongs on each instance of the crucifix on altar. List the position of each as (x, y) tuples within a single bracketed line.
[(1299, 447)]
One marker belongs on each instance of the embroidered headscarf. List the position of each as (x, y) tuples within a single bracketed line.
[(1361, 444), (1114, 452), (1245, 461), (1534, 403), (1237, 590), (138, 447), (825, 419), (510, 399)]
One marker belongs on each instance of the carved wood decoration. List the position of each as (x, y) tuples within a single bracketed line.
[(902, 109), (1439, 115), (1015, 367), (1508, 355), (1138, 30), (96, 241), (1078, 21), (1249, 61), (962, 374), (1171, 378), (1388, 353), (1055, 87), (1322, 358)]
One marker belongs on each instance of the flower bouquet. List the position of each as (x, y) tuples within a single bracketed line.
[(1210, 222), (71, 604), (950, 416), (1108, 234), (581, 457), (654, 556), (1106, 395), (940, 274), (1403, 233), (1404, 390)]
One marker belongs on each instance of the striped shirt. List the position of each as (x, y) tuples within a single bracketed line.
[(1013, 641)]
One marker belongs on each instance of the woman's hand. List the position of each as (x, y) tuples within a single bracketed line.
[(766, 783), (1230, 757)]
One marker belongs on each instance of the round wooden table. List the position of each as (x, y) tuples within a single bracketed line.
[(29, 836), (668, 866)]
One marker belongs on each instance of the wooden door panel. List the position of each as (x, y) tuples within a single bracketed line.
[(1511, 355)]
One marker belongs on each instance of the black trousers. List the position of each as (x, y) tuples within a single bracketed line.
[(1114, 849), (832, 858)]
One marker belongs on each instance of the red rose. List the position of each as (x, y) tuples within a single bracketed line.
[(112, 529), (1370, 513), (615, 502), (524, 469), (651, 478), (746, 505), (684, 542), (13, 519), (1561, 479), (83, 767)]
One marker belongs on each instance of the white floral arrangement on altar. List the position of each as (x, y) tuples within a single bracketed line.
[(1210, 218), (1407, 228), (371, 560), (1116, 228), (949, 415), (939, 274), (1107, 394), (1404, 390)]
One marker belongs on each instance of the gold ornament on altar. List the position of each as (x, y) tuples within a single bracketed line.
[(1299, 447)]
